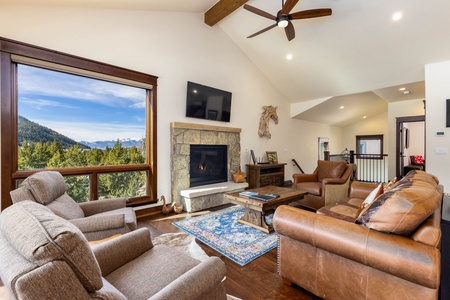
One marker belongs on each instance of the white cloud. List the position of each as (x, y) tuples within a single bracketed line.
[(36, 81)]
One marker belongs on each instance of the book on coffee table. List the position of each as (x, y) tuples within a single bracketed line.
[(257, 196)]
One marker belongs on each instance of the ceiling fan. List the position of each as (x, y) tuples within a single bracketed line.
[(283, 18)]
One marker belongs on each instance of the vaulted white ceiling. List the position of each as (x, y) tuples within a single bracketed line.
[(358, 57)]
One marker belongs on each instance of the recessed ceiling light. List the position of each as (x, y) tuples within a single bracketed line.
[(406, 92), (342, 107), (289, 56), (402, 89), (397, 16), (364, 117)]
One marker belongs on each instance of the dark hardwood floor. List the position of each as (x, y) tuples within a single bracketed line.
[(256, 280)]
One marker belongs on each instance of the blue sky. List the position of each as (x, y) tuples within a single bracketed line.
[(81, 108)]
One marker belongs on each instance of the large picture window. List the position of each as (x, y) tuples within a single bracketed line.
[(92, 122)]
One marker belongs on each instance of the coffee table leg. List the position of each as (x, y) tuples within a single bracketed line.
[(255, 219)]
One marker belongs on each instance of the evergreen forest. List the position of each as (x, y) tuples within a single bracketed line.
[(42, 148)]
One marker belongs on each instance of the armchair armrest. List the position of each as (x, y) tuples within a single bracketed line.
[(304, 178), (326, 181), (98, 206), (192, 284), (393, 254), (99, 222), (119, 251)]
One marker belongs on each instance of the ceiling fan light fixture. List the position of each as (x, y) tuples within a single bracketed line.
[(283, 21)]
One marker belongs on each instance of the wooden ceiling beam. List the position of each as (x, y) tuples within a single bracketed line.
[(221, 10)]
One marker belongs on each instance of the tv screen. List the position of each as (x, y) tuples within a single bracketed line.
[(204, 102)]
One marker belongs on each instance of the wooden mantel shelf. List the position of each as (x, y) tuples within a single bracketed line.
[(181, 125)]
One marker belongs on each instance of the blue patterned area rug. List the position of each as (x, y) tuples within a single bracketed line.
[(221, 231)]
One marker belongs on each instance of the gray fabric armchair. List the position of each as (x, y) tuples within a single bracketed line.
[(96, 219), (43, 256)]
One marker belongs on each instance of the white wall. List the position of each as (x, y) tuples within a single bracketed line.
[(395, 110), (374, 125), (176, 47), (437, 87)]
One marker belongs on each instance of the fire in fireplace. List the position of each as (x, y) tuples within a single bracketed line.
[(208, 164)]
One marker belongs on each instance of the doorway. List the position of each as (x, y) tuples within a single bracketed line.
[(410, 140)]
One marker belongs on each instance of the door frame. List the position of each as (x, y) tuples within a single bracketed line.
[(399, 125)]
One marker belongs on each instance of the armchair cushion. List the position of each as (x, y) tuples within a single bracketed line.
[(45, 238), (66, 208), (46, 186), (330, 169)]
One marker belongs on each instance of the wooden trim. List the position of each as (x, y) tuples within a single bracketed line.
[(398, 125), (221, 10), (52, 56), (8, 89)]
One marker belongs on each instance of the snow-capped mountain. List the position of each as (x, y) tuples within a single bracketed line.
[(126, 143)]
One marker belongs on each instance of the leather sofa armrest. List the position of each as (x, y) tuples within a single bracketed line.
[(98, 206), (304, 178), (397, 255), (192, 285), (99, 222), (119, 251), (361, 189)]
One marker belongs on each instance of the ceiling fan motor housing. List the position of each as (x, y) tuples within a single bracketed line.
[(283, 19)]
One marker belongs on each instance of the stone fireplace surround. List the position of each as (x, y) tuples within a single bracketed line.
[(182, 135)]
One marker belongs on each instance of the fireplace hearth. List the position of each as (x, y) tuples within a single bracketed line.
[(208, 164)]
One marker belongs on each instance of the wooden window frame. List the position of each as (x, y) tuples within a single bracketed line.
[(379, 137), (8, 122)]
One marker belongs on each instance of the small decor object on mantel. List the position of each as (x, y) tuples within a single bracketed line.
[(270, 112), (239, 176), (272, 157)]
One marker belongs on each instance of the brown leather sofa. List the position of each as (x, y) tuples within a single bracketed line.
[(328, 184), (393, 254)]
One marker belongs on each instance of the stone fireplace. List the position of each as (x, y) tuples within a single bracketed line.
[(183, 136), (208, 164)]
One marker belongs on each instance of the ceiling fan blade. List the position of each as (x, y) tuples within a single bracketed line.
[(290, 31), (259, 12), (264, 30), (288, 6), (311, 13)]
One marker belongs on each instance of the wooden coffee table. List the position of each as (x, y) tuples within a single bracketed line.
[(256, 211)]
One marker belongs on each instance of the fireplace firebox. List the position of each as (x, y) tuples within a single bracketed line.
[(208, 164)]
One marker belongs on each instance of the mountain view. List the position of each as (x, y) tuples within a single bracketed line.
[(33, 132)]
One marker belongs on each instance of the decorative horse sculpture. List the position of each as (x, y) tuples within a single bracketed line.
[(270, 112)]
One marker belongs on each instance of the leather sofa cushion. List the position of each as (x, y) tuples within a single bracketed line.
[(46, 186), (402, 209), (330, 169), (47, 238)]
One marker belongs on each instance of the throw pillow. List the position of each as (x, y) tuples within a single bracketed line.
[(403, 209), (370, 198), (388, 186), (418, 159)]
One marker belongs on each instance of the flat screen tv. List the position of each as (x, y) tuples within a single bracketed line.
[(204, 102)]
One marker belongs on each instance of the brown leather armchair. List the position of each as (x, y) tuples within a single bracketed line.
[(327, 185)]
